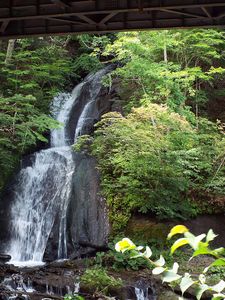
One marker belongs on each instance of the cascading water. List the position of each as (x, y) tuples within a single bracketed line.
[(43, 190), (141, 294), (143, 291)]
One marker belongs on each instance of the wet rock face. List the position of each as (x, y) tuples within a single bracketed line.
[(4, 258), (202, 224), (88, 221), (149, 228)]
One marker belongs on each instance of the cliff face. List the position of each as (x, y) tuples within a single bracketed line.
[(87, 218), (88, 213), (83, 223)]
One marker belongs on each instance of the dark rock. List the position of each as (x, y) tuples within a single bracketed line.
[(88, 213), (203, 223), (4, 258)]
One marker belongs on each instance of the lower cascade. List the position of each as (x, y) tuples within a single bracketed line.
[(45, 189), (143, 291)]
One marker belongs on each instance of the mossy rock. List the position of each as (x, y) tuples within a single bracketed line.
[(148, 230), (168, 295)]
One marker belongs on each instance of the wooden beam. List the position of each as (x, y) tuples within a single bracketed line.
[(78, 13), (42, 17), (4, 26), (118, 28), (221, 15), (206, 12), (61, 3), (66, 21), (182, 13), (107, 18), (86, 19)]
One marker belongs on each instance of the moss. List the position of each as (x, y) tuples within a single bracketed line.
[(148, 230), (98, 280)]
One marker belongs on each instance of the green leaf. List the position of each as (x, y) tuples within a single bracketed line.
[(216, 263), (202, 250)]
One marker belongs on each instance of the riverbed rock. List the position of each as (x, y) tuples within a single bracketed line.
[(4, 258)]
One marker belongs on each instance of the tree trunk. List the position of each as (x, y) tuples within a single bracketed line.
[(165, 54), (10, 48)]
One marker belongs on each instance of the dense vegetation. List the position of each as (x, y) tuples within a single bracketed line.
[(163, 151), (32, 71), (165, 156)]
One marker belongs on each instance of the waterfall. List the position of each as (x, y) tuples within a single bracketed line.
[(144, 291), (141, 294), (43, 190)]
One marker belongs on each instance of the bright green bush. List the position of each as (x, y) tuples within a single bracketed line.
[(154, 160), (98, 280)]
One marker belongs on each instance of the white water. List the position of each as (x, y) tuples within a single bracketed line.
[(43, 191), (141, 293), (59, 137)]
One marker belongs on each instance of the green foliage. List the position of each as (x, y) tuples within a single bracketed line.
[(157, 154), (98, 280), (38, 67), (168, 66), (73, 297), (36, 71), (200, 246), (21, 126), (118, 260)]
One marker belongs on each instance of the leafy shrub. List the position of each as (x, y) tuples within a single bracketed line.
[(155, 161), (98, 280)]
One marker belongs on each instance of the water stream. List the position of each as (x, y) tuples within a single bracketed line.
[(43, 190), (143, 291)]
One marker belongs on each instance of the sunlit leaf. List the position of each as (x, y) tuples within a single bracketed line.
[(158, 270), (210, 236), (124, 245), (179, 243), (216, 263), (194, 240), (160, 262), (148, 252), (219, 287), (170, 276), (201, 289), (175, 267), (218, 296), (186, 282), (178, 229), (201, 250)]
